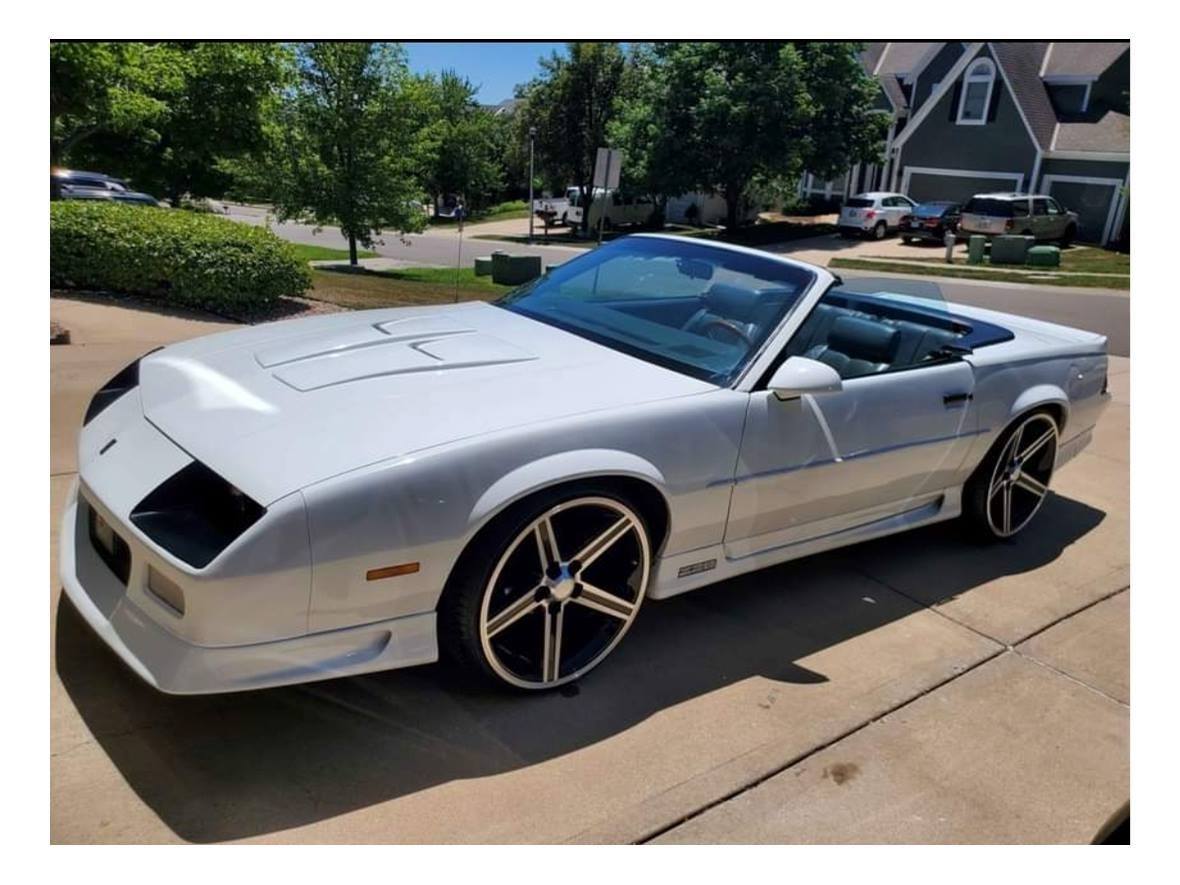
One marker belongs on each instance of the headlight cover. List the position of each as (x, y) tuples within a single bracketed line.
[(195, 514), (127, 379)]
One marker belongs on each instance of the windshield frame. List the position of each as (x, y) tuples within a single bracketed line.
[(806, 280)]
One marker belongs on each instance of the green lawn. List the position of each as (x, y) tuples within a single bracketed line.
[(935, 268), (324, 253), (358, 290), (1076, 259)]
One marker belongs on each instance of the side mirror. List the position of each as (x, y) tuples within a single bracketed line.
[(800, 375)]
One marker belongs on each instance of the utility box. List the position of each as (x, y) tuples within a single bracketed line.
[(1044, 256), (483, 265), (975, 247), (513, 270), (1011, 249)]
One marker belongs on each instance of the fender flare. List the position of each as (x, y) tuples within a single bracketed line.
[(1041, 395), (559, 468)]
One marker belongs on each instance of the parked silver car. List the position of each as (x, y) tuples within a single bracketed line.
[(1034, 215), (875, 213)]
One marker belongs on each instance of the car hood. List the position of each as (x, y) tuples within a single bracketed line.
[(274, 408)]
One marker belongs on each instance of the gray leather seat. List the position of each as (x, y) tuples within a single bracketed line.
[(750, 310), (857, 346)]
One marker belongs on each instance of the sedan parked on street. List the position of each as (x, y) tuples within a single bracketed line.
[(1035, 215), (931, 221), (876, 214)]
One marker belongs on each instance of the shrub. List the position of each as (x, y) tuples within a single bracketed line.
[(187, 258)]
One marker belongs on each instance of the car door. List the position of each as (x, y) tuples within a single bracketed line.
[(1055, 219), (889, 442)]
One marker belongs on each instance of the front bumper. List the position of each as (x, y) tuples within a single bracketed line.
[(174, 665)]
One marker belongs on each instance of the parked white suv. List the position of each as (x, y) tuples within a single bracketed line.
[(875, 213)]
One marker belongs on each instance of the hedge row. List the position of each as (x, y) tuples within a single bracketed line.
[(186, 258)]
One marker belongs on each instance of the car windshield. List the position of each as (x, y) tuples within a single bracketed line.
[(858, 203), (932, 210), (701, 310), (994, 208)]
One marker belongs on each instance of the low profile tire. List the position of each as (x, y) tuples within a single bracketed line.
[(1009, 486), (548, 590), (879, 231), (1067, 238)]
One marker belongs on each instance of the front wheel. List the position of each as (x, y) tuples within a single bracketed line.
[(1067, 237), (1011, 483), (549, 591)]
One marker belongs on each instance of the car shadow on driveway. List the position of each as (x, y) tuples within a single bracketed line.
[(231, 766)]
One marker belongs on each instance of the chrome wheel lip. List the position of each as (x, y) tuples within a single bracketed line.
[(1009, 471), (525, 536)]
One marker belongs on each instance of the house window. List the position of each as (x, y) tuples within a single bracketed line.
[(977, 93)]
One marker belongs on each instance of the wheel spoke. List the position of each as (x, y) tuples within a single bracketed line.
[(551, 653), (546, 544), (1006, 503), (1032, 484), (1037, 445), (607, 603), (997, 486), (603, 542), (512, 613)]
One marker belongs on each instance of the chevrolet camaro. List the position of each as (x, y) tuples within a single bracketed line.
[(506, 484)]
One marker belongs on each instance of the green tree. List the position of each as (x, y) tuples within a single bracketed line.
[(739, 116), (350, 137), (572, 104), (459, 148), (168, 115)]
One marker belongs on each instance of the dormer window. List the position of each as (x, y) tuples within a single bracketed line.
[(977, 93)]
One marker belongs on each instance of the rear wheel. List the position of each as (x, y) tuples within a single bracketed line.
[(550, 590), (879, 231), (1009, 486)]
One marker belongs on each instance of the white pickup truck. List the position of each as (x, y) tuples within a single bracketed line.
[(556, 210), (621, 209)]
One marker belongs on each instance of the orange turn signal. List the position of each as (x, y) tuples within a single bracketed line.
[(391, 571)]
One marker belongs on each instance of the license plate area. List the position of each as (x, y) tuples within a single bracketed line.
[(111, 549)]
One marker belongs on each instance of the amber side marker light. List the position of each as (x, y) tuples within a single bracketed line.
[(391, 571)]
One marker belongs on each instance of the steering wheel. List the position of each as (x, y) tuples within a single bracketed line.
[(729, 326)]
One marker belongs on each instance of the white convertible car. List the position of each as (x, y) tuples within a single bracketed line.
[(505, 484)]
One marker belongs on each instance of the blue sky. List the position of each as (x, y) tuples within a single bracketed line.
[(495, 68)]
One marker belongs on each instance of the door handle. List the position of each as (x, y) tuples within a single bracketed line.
[(954, 398)]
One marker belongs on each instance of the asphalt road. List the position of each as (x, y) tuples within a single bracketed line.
[(1107, 312), (441, 248)]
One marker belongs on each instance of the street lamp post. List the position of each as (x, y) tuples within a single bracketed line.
[(532, 212)]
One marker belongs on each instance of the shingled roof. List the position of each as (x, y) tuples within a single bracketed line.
[(1082, 59), (1022, 67), (1110, 133)]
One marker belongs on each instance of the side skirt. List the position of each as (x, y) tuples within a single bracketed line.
[(678, 574)]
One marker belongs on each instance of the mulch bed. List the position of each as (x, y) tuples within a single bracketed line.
[(287, 307)]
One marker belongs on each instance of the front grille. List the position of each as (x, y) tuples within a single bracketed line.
[(110, 548)]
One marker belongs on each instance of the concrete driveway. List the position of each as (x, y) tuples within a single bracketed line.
[(916, 689)]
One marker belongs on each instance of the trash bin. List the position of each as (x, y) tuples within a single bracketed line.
[(483, 265), (975, 247), (1011, 249)]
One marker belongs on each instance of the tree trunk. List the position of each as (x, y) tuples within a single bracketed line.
[(733, 198), (352, 250)]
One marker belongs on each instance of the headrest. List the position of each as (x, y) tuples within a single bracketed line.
[(732, 302), (863, 339)]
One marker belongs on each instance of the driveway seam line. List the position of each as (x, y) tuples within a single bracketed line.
[(1071, 678), (733, 794)]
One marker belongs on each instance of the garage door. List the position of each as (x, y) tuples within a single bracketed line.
[(1093, 200), (924, 186)]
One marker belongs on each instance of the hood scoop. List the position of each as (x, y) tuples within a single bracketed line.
[(425, 343)]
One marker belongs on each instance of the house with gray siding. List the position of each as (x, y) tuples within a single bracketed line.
[(972, 117)]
